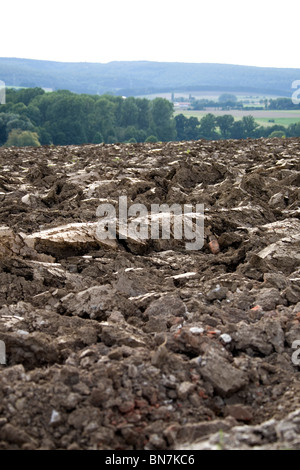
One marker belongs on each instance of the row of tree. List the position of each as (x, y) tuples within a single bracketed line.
[(33, 117), (283, 104), (225, 127), (65, 118), (229, 101)]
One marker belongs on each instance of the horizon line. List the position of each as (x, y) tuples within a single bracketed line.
[(149, 61)]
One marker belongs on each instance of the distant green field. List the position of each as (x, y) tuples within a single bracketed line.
[(280, 121), (282, 118)]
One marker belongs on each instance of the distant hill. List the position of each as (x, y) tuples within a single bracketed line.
[(142, 77)]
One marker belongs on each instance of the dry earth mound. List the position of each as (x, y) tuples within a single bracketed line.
[(143, 344)]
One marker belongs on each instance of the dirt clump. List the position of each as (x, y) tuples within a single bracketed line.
[(138, 342)]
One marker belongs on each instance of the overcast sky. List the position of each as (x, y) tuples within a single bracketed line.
[(260, 32)]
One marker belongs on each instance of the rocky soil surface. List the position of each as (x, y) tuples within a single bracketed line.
[(143, 344)]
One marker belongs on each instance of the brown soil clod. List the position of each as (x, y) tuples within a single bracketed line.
[(142, 343)]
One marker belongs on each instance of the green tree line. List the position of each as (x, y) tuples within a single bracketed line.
[(229, 101), (225, 127), (33, 117), (66, 118)]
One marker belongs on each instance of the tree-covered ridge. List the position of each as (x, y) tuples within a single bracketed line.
[(33, 117), (134, 78)]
